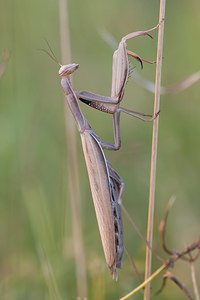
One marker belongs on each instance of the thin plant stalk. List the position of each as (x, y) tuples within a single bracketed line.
[(154, 149), (72, 165), (147, 281), (194, 281), (4, 61), (48, 274)]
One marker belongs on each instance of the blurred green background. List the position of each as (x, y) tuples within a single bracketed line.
[(36, 247)]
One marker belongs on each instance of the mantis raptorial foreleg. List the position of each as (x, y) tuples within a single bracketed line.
[(120, 73)]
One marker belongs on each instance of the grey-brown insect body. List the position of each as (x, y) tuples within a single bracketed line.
[(105, 192), (106, 185)]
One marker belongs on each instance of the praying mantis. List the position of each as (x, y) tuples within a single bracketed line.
[(106, 185)]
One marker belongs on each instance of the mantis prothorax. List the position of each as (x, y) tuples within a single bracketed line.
[(106, 185)]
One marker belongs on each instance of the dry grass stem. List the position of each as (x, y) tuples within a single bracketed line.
[(72, 163), (140, 234), (194, 281), (141, 286), (133, 265), (4, 61), (48, 274), (154, 148), (169, 89)]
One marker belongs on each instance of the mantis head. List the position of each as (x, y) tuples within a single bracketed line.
[(66, 70)]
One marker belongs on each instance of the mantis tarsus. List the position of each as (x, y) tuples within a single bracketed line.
[(106, 185)]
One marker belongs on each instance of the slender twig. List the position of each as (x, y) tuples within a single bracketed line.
[(154, 275), (133, 265), (173, 257), (140, 234), (169, 275), (163, 223), (194, 281), (154, 148), (72, 164), (169, 89)]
